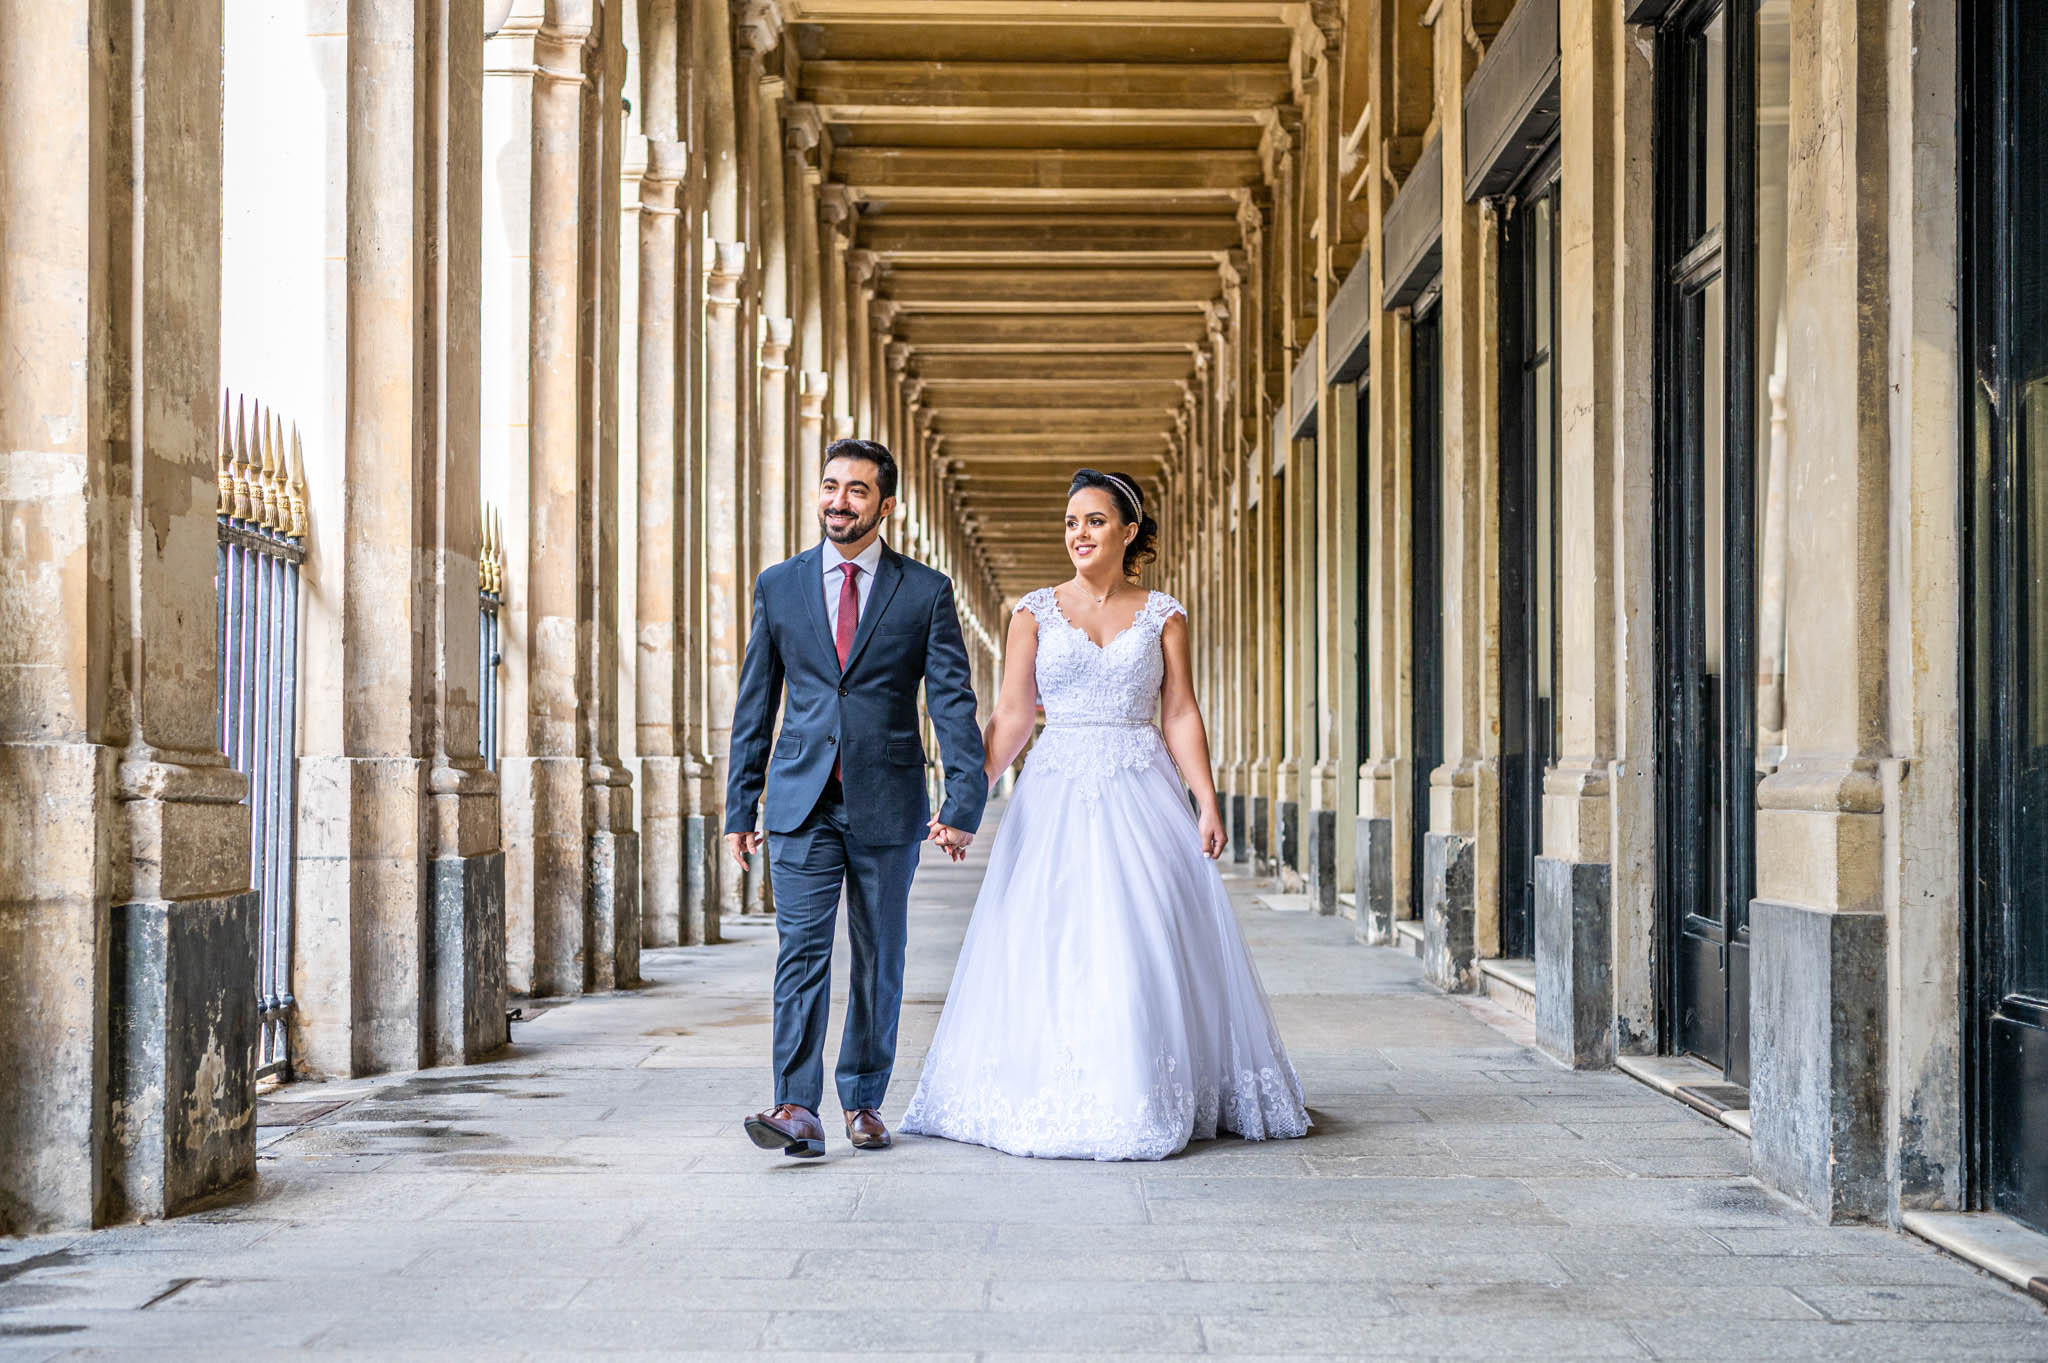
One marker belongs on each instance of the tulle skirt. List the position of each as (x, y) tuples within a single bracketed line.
[(1105, 1005)]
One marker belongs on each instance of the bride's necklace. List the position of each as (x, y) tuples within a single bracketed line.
[(1102, 600)]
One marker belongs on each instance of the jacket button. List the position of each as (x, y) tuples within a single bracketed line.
[(844, 692), (832, 739)]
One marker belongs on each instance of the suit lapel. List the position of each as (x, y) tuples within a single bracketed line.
[(887, 575), (813, 586)]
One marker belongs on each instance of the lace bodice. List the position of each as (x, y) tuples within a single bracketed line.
[(1099, 699)]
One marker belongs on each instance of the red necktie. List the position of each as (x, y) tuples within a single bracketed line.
[(849, 620)]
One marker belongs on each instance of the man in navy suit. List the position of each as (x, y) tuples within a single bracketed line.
[(849, 628)]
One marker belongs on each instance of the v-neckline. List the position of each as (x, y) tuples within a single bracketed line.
[(1061, 612)]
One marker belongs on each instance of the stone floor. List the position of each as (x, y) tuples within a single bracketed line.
[(591, 1194)]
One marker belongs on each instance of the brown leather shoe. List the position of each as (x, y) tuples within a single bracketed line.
[(790, 1128), (864, 1128)]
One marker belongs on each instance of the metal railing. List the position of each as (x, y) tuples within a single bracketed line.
[(262, 530), (490, 576)]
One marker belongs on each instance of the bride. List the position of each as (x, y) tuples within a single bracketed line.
[(1104, 1005)]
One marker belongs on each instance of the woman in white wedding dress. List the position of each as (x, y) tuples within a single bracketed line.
[(1104, 1005)]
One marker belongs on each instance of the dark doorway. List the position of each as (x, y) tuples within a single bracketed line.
[(2005, 241), (1723, 88), (1528, 541), (1425, 578)]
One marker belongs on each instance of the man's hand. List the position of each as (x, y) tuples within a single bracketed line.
[(742, 845), (951, 839)]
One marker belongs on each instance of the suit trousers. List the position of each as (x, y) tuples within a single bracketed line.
[(809, 868)]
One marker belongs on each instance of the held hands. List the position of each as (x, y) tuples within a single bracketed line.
[(951, 839), (743, 845), (1214, 840)]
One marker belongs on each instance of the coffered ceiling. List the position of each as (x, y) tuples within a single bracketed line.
[(1050, 192)]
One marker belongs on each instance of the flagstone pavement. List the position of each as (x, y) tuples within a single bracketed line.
[(590, 1194)]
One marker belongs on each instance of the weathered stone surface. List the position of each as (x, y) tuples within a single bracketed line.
[(1262, 829), (1375, 852), (1574, 980), (183, 1042), (1321, 869), (1448, 912), (1240, 846), (1816, 1016), (466, 959), (1287, 850)]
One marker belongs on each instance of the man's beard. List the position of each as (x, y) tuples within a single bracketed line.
[(847, 534)]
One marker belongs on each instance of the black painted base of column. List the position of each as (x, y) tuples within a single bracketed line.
[(1375, 880), (1240, 850), (1574, 969), (700, 882), (1290, 834), (1322, 859), (1448, 917), (465, 1004), (183, 1054), (1262, 831), (1817, 1046), (612, 938)]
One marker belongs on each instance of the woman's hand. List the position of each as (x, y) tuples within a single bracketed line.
[(1214, 840)]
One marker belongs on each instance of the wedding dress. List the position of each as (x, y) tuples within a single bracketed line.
[(1104, 1005)]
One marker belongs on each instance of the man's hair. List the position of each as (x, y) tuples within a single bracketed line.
[(875, 453)]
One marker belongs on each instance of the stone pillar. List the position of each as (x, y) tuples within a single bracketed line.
[(1605, 222), (721, 476), (561, 474), (399, 946), (1817, 928), (836, 207), (664, 881), (127, 928), (466, 978)]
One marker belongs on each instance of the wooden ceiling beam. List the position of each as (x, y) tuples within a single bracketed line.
[(1012, 171), (1090, 330), (895, 91)]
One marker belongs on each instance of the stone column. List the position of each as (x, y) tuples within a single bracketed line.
[(664, 881), (1451, 849), (801, 134), (1817, 928), (836, 207), (127, 929), (561, 475), (466, 978)]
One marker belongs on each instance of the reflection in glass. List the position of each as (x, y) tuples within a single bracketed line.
[(1773, 101)]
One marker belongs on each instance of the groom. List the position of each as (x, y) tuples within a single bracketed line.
[(850, 628)]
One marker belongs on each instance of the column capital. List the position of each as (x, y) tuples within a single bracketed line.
[(776, 333), (882, 318), (668, 161), (899, 356), (802, 128), (913, 391), (863, 265), (726, 268), (835, 204), (757, 27)]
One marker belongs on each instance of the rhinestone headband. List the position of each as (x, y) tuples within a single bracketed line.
[(1137, 502)]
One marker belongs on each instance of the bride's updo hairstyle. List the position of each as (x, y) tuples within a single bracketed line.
[(1130, 504)]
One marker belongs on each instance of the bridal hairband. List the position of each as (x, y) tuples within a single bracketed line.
[(1137, 502)]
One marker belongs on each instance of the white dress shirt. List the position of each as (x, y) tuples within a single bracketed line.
[(833, 559)]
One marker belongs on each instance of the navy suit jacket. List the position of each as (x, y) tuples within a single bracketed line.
[(863, 716)]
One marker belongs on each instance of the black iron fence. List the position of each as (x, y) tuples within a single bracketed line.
[(490, 575), (262, 528)]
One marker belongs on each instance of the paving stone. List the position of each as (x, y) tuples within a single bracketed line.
[(592, 1195)]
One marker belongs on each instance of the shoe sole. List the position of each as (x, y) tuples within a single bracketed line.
[(870, 1144), (796, 1147)]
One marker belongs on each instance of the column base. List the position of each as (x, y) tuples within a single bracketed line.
[(1574, 971), (1290, 835), (1374, 880), (1262, 834), (184, 1023), (466, 959), (1322, 860), (614, 912), (661, 852), (1448, 916), (1240, 851), (1816, 1009), (700, 900)]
